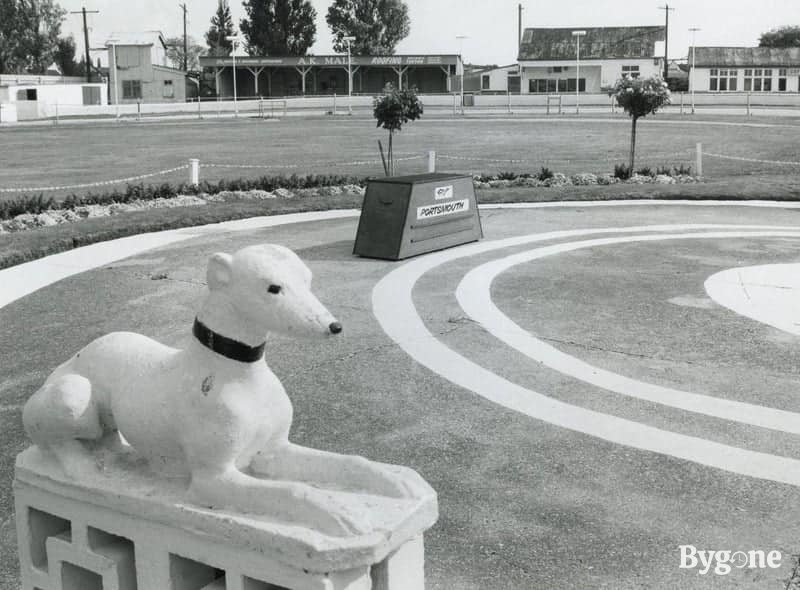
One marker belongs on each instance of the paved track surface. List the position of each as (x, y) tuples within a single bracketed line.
[(528, 498)]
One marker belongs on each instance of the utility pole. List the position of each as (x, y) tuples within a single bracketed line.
[(88, 61), (185, 50), (666, 10), (519, 24)]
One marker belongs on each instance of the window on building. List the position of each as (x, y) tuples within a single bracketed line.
[(630, 71), (486, 82), (27, 94), (782, 80), (562, 85), (571, 85), (131, 89), (514, 83), (723, 80), (169, 89)]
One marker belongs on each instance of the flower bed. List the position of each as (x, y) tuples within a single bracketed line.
[(34, 212)]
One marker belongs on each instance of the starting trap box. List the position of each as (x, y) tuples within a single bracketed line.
[(405, 216)]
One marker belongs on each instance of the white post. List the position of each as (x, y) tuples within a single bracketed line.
[(682, 102), (577, 35), (199, 109), (699, 160), (508, 93), (334, 104), (194, 164), (691, 70), (56, 113), (431, 161), (578, 77), (461, 58), (349, 76), (234, 39), (748, 105)]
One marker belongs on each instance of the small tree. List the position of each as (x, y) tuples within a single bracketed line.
[(392, 110), (640, 97), (193, 53), (221, 28)]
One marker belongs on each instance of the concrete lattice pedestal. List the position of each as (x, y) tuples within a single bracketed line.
[(120, 528)]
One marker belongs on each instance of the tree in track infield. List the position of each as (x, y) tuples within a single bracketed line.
[(391, 110), (640, 97)]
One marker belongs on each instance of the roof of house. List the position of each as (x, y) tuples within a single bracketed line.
[(746, 56), (138, 38), (598, 43)]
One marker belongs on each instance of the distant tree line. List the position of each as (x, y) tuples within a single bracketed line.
[(31, 40)]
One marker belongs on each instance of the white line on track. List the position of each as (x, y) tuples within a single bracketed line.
[(394, 308), (474, 296)]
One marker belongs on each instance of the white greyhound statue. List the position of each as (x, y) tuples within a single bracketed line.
[(214, 410)]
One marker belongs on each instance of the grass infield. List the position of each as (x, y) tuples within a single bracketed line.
[(19, 247), (59, 155)]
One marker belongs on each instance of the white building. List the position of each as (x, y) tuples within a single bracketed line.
[(501, 80), (548, 58), (28, 97), (745, 69)]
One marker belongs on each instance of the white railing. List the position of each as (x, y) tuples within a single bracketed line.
[(565, 103)]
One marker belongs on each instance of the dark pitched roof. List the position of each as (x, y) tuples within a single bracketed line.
[(598, 43), (746, 56)]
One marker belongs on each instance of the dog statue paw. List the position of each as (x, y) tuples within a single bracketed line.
[(214, 409)]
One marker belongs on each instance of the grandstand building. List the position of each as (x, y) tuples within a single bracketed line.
[(327, 74)]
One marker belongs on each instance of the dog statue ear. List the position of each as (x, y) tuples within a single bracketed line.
[(219, 270)]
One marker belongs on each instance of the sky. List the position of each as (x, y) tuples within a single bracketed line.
[(490, 26)]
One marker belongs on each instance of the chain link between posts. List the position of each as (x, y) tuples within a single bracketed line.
[(94, 184), (350, 163), (742, 159)]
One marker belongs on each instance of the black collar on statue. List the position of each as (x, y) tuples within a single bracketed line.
[(227, 347)]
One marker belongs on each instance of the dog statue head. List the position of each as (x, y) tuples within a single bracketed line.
[(269, 287)]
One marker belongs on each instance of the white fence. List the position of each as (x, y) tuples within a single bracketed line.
[(539, 104)]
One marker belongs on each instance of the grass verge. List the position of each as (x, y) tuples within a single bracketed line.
[(19, 247)]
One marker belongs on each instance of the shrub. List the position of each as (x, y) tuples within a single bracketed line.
[(682, 170), (545, 173), (507, 175), (25, 204), (664, 170), (622, 171), (645, 171)]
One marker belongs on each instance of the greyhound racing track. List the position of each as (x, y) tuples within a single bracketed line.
[(587, 388)]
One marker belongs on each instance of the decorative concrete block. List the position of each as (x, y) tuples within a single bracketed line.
[(157, 468), (120, 530)]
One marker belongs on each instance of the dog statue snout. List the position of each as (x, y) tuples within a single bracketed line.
[(335, 327)]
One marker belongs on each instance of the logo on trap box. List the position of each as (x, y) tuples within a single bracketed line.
[(442, 209), (441, 193)]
